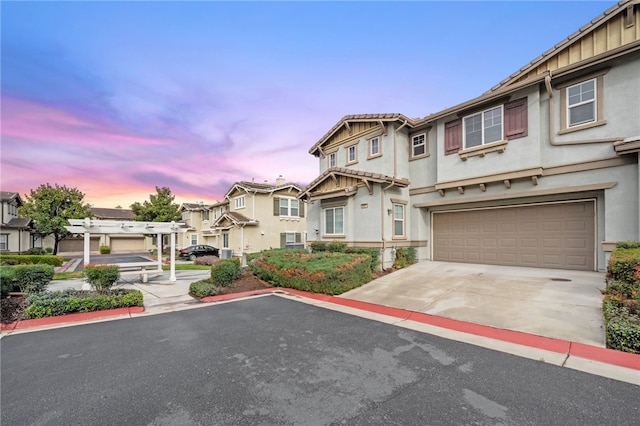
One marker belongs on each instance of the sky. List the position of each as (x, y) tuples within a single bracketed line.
[(118, 98)]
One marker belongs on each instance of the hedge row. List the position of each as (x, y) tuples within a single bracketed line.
[(324, 272), (63, 302), (621, 304), (28, 278), (30, 259)]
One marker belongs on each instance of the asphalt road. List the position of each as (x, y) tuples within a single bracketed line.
[(274, 361)]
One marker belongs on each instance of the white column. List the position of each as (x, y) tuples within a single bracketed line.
[(158, 237), (172, 276), (87, 246)]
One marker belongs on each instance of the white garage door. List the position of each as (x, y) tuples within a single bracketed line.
[(558, 235)]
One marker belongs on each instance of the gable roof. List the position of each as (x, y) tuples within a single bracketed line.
[(364, 176), (194, 206), (19, 222), (10, 196), (359, 118), (601, 37), (115, 213), (263, 188), (235, 218)]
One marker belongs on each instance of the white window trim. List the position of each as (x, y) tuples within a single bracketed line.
[(289, 200), (424, 143), (403, 220), (593, 101), (4, 240), (240, 202), (355, 153), (324, 219), (375, 154), (482, 113), (332, 156), (191, 239)]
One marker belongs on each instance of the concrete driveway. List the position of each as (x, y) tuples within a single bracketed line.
[(553, 303)]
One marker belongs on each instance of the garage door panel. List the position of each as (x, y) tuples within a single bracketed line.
[(560, 235)]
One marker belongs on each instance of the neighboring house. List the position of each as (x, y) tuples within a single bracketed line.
[(197, 216), (540, 171), (257, 216), (118, 243), (15, 232)]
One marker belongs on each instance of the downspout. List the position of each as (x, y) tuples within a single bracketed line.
[(552, 141), (382, 219)]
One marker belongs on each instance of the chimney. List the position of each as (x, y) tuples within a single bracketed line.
[(280, 181)]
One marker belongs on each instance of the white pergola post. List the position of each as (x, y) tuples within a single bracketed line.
[(87, 248), (172, 274), (158, 245)]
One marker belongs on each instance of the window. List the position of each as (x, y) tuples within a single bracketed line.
[(205, 214), (334, 220), (418, 145), (239, 202), (4, 242), (288, 207), (225, 240), (194, 239), (374, 147), (398, 220), (352, 154), (581, 103), (483, 128), (332, 159), (291, 240)]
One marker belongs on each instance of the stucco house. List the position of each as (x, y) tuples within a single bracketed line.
[(539, 171), (15, 232), (257, 216), (197, 216)]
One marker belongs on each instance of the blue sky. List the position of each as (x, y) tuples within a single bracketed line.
[(115, 98)]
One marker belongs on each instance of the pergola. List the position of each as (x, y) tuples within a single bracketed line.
[(92, 226)]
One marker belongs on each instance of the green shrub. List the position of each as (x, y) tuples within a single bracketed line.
[(7, 280), (35, 250), (628, 289), (623, 264), (405, 256), (336, 247), (105, 250), (48, 250), (71, 301), (203, 288), (224, 272), (373, 253), (622, 326), (628, 244), (318, 246), (324, 272), (102, 277), (30, 259), (33, 278)]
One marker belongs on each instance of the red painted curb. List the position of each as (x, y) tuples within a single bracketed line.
[(80, 316), (609, 356), (232, 296)]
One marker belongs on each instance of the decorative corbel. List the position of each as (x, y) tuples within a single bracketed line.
[(483, 187), (368, 185), (461, 189), (441, 192), (507, 183), (384, 128), (335, 178), (348, 126), (534, 179)]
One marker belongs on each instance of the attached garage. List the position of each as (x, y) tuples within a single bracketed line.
[(554, 235), (129, 244), (76, 245)]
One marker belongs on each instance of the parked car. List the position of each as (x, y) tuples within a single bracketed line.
[(192, 252)]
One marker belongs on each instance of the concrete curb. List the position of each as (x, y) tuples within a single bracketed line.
[(573, 349)]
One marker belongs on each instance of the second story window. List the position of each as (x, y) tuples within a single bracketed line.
[(352, 154), (332, 159), (240, 202), (374, 147), (581, 103), (483, 128), (205, 215), (418, 145), (289, 207)]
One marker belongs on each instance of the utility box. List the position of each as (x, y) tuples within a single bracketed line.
[(226, 253)]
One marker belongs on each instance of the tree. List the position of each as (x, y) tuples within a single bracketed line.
[(159, 208), (50, 207)]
